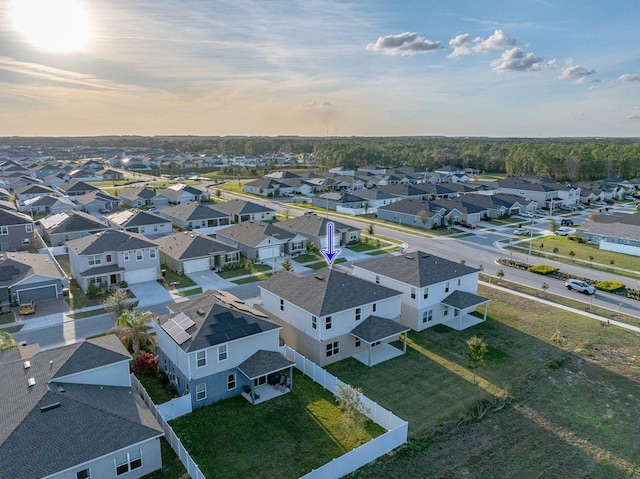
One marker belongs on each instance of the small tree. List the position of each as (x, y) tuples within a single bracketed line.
[(117, 302), (218, 193), (276, 192), (7, 342), (590, 258), (449, 221), (572, 253), (365, 207), (145, 365), (260, 190), (545, 287), (423, 218), (354, 412), (36, 244), (481, 267), (555, 250), (462, 262), (371, 229), (500, 274), (286, 265), (612, 262), (133, 326), (476, 351), (286, 213), (553, 225), (312, 248)]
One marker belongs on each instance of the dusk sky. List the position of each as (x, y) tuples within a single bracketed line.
[(318, 67)]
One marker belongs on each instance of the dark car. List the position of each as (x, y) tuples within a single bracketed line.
[(566, 222)]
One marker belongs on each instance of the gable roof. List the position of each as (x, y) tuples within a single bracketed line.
[(252, 232), (333, 291), (312, 224), (35, 189), (109, 240), (95, 195), (11, 218), (15, 267), (135, 217), (241, 207), (117, 417), (48, 200), (218, 317), (192, 211), (411, 206), (188, 245), (134, 193), (71, 221), (76, 186), (417, 269)]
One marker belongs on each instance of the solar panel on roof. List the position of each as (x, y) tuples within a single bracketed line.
[(184, 321), (181, 337), (177, 333)]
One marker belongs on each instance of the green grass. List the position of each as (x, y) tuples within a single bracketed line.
[(360, 247), (190, 292), (385, 251), (172, 468), (233, 186), (87, 314), (306, 258), (6, 318), (171, 276), (159, 391), (63, 261), (252, 279), (285, 437), (232, 273)]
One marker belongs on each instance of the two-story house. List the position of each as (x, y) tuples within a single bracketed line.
[(333, 315), (214, 347), (434, 290), (16, 231), (137, 221), (105, 259), (70, 413)]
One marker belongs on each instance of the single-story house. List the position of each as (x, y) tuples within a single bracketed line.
[(314, 228), (137, 221), (137, 197), (194, 216), (242, 210), (96, 200), (49, 204), (76, 188), (262, 241), (188, 252), (68, 225)]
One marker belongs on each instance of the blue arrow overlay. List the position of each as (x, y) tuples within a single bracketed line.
[(330, 253)]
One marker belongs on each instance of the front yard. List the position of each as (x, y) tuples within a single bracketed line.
[(234, 272), (285, 437)]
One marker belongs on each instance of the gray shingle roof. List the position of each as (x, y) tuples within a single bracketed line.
[(71, 222), (10, 218), (109, 240), (412, 207), (192, 211), (314, 225), (135, 217), (264, 362), (418, 269), (133, 193), (375, 328), (241, 207), (76, 186), (463, 300), (189, 245), (18, 266), (252, 233), (326, 292), (91, 420)]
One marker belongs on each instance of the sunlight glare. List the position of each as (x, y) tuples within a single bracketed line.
[(59, 26)]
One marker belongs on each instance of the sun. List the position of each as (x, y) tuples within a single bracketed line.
[(60, 26)]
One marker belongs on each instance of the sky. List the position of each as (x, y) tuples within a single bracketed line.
[(516, 68)]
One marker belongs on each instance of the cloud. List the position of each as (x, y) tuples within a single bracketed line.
[(403, 44), (315, 104), (633, 117), (577, 74), (627, 77), (516, 60), (495, 43), (553, 64), (460, 45)]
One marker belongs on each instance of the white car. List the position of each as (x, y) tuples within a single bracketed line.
[(542, 213), (526, 214), (580, 286), (564, 231), (520, 231)]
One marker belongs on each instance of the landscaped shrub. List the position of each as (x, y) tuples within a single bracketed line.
[(145, 365), (609, 285), (543, 269)]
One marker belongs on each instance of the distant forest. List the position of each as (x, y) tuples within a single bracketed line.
[(567, 159)]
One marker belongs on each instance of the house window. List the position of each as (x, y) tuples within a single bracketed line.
[(231, 381), (201, 391), (377, 279), (152, 253), (28, 228), (282, 305), (333, 349), (456, 312), (458, 281), (84, 474), (375, 307), (446, 287), (358, 342), (4, 230), (425, 293), (328, 323), (427, 316), (314, 322), (446, 310), (139, 256), (413, 293), (108, 258), (128, 462), (222, 352), (201, 359), (155, 228), (94, 259), (125, 256), (26, 241), (358, 314)]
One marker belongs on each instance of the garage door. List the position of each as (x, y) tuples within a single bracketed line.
[(268, 252), (140, 276), (336, 241), (196, 265), (38, 294)]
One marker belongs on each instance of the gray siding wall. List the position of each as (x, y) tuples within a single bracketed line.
[(14, 241)]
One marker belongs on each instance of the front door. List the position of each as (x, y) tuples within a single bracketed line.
[(113, 279)]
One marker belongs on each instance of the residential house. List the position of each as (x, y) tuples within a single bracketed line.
[(262, 241), (137, 197), (332, 200), (19, 181), (434, 290), (107, 174), (188, 252), (545, 192), (54, 180), (96, 201), (76, 188), (314, 228), (106, 259), (16, 231), (32, 191), (194, 216), (70, 413), (618, 232), (49, 204), (414, 212), (333, 315), (181, 193), (68, 225), (374, 198), (267, 187), (4, 195), (137, 221), (242, 210), (26, 276), (215, 347)]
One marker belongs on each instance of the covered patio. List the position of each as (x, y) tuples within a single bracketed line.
[(377, 333), (264, 370), (463, 304)]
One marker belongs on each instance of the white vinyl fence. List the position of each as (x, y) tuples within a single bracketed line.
[(177, 407), (395, 436), (169, 435)]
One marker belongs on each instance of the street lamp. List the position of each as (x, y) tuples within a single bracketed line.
[(530, 237)]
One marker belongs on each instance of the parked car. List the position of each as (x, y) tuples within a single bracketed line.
[(28, 307), (542, 213), (566, 222), (580, 286), (526, 214), (521, 231), (564, 231), (468, 225), (629, 198)]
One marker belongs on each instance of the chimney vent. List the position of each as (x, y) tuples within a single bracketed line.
[(31, 382), (27, 364), (49, 407)]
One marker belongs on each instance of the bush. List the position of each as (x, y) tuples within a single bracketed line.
[(609, 285), (542, 269), (94, 291), (145, 365)]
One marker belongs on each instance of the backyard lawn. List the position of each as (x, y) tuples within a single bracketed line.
[(285, 437)]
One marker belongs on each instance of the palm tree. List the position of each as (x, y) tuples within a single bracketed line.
[(133, 325)]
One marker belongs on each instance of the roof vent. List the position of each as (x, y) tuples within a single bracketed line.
[(318, 277), (409, 257), (200, 312), (27, 364), (49, 407), (425, 255), (31, 382), (61, 388)]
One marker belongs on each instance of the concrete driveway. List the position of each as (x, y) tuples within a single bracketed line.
[(149, 293), (209, 280)]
